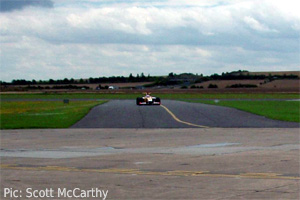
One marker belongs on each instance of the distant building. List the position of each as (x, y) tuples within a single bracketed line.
[(111, 87)]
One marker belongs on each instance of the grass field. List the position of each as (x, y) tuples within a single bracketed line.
[(43, 114), (280, 110), (161, 95)]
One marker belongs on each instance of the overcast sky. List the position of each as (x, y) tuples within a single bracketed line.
[(42, 39)]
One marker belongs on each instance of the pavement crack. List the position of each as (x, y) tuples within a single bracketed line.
[(272, 188), (255, 191)]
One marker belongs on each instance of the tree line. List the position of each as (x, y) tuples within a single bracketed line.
[(171, 79)]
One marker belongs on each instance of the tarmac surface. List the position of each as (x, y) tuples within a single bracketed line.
[(192, 163), (173, 114)]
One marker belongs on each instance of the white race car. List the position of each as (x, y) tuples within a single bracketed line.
[(148, 100)]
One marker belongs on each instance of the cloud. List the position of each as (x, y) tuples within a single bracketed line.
[(151, 25), (85, 38), (37, 59), (11, 5), (254, 24)]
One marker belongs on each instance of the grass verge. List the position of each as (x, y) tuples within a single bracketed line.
[(279, 110), (43, 114)]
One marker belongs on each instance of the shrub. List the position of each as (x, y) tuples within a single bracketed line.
[(195, 86), (242, 86), (212, 86)]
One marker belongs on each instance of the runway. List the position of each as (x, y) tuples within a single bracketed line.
[(192, 163), (172, 151), (173, 114)]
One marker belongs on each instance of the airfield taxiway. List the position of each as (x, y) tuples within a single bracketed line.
[(173, 114)]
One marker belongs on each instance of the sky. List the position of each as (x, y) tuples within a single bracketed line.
[(43, 39)]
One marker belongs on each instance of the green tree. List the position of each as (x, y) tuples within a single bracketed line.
[(171, 75)]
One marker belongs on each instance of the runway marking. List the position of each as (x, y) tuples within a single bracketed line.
[(180, 121), (155, 173)]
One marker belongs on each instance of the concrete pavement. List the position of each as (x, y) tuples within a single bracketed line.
[(207, 163)]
